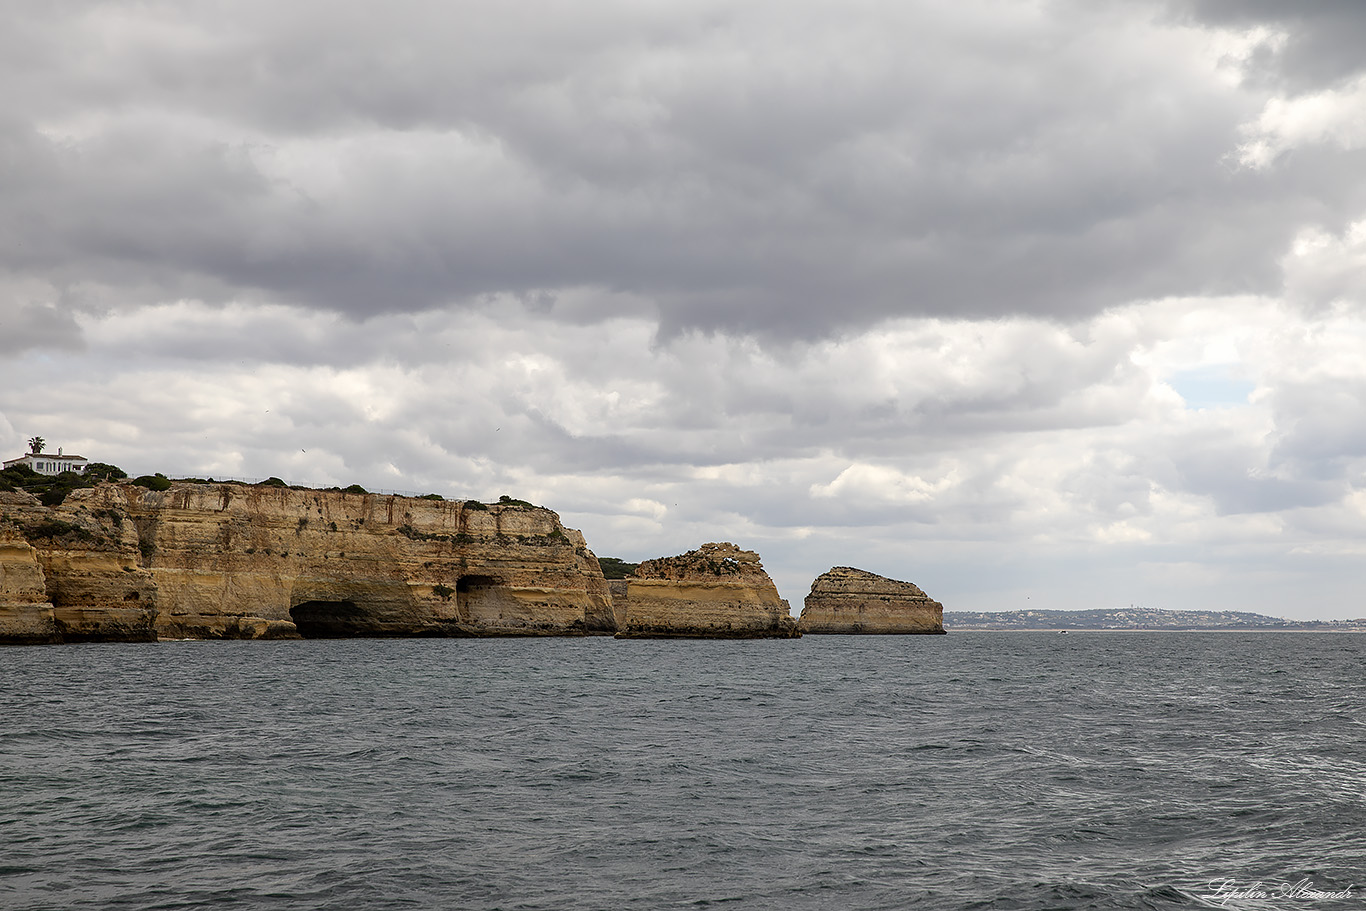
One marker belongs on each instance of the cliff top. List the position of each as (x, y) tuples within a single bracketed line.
[(709, 562), (850, 580)]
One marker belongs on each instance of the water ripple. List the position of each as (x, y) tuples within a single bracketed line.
[(992, 771)]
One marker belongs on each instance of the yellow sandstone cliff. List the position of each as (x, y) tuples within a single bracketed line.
[(715, 592), (240, 561), (25, 613), (120, 562), (848, 600), (90, 569)]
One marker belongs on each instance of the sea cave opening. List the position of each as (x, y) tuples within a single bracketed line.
[(481, 598), (470, 583), (332, 620)]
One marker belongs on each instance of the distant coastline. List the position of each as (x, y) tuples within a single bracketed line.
[(1139, 618)]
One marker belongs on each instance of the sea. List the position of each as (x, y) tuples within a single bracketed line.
[(977, 770)]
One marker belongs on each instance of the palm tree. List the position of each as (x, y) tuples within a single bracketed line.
[(36, 444)]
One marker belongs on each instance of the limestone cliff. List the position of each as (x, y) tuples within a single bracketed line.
[(717, 592), (25, 613), (238, 561), (89, 570), (848, 600)]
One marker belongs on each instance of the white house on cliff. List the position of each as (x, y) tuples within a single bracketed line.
[(45, 463)]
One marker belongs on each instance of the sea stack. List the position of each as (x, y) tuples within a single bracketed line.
[(849, 600), (715, 592)]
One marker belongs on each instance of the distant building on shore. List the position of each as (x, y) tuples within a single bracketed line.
[(45, 463)]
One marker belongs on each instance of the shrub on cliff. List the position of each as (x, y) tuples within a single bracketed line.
[(612, 568), (51, 490), (56, 494), (58, 487), (103, 471), (18, 477), (156, 481), (55, 529)]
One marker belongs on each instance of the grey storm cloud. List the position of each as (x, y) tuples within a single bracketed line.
[(25, 326), (1322, 40), (789, 168)]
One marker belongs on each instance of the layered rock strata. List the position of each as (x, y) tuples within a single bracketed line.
[(236, 561), (715, 592), (90, 570), (25, 613), (848, 600)]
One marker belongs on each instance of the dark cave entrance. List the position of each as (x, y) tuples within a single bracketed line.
[(333, 620), (480, 598), (471, 583)]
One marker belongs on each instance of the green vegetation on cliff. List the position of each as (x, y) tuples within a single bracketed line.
[(612, 568), (52, 489)]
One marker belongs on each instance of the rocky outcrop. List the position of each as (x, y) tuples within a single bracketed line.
[(848, 600), (90, 570), (120, 562), (715, 592), (25, 613), (238, 561)]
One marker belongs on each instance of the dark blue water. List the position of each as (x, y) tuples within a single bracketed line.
[(972, 771)]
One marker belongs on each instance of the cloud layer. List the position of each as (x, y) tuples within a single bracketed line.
[(788, 169), (993, 458), (1058, 302)]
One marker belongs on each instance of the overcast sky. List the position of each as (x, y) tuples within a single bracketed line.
[(1051, 304)]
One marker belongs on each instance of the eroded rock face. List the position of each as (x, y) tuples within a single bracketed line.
[(236, 561), (25, 613), (717, 591), (90, 570), (848, 600)]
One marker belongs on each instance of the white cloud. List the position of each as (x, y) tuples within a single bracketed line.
[(929, 446), (1335, 117), (1324, 268), (882, 483)]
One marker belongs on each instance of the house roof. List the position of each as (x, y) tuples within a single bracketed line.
[(43, 455)]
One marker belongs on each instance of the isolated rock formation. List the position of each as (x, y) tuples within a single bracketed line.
[(848, 600), (239, 561), (715, 592)]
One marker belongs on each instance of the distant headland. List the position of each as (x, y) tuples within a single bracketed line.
[(1137, 618)]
